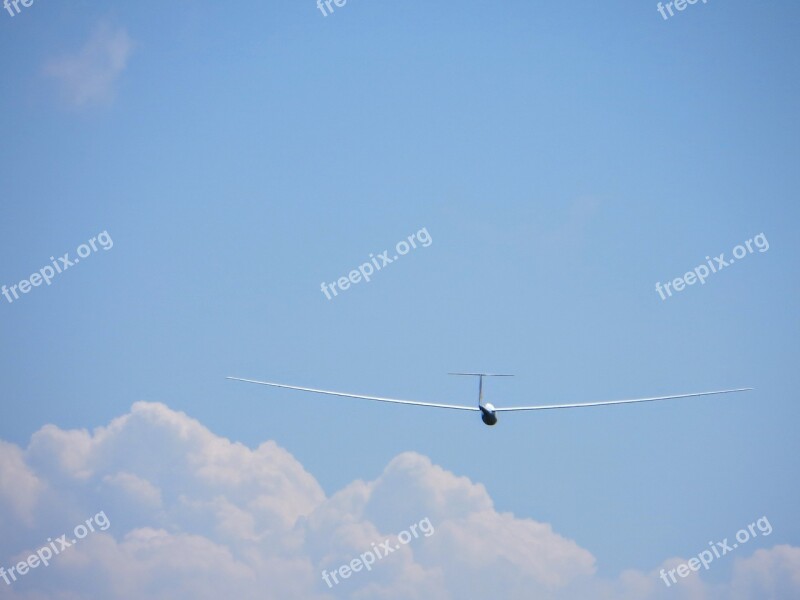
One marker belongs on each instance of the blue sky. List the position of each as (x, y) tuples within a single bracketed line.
[(564, 157)]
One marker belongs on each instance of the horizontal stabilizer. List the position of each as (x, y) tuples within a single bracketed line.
[(484, 374)]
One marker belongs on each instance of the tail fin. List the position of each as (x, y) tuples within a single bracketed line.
[(480, 381)]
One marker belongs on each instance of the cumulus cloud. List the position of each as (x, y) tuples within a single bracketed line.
[(194, 515), (88, 76), (19, 487)]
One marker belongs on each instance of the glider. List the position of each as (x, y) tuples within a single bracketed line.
[(488, 411)]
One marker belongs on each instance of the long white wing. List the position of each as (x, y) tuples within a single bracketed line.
[(607, 402), (330, 393)]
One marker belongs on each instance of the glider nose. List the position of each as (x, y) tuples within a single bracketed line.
[(488, 416)]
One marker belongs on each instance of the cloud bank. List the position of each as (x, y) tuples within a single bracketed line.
[(194, 515)]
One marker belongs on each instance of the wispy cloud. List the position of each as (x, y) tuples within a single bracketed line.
[(87, 77)]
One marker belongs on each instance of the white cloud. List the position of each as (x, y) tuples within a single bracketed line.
[(194, 515), (88, 76), (19, 487), (775, 571)]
